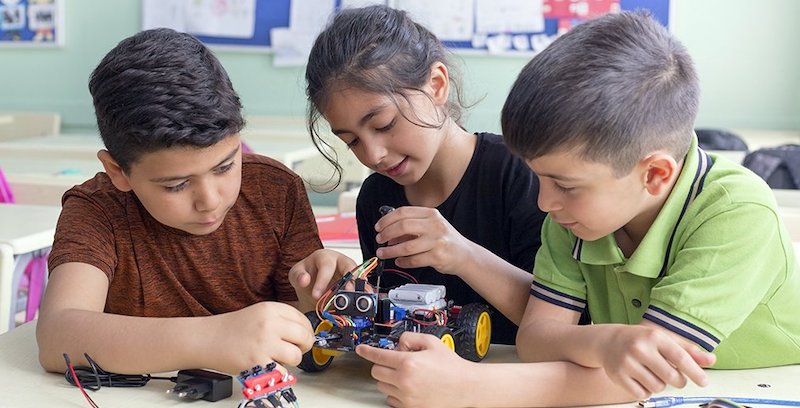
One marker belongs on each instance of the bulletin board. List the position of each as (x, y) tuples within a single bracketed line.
[(464, 31), (31, 23)]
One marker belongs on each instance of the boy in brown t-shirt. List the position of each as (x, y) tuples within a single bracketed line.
[(176, 256)]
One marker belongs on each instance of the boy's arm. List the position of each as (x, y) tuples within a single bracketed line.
[(72, 321), (424, 373), (641, 358)]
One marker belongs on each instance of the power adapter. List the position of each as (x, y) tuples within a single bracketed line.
[(202, 384)]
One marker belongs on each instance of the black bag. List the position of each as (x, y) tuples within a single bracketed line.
[(717, 139), (779, 166)]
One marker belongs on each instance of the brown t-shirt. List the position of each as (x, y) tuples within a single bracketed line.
[(158, 271)]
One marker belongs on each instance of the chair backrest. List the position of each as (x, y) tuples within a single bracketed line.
[(779, 166), (18, 125), (35, 274), (6, 196), (718, 139)]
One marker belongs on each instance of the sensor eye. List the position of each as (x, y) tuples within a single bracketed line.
[(341, 301), (364, 303)]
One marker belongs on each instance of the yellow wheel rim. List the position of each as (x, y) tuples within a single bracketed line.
[(322, 356), (483, 334), (448, 341)]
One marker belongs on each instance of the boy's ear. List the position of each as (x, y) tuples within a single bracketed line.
[(114, 171), (440, 83), (660, 170)]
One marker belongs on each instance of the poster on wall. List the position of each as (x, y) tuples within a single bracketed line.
[(31, 23)]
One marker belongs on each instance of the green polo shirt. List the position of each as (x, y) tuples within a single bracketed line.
[(717, 267)]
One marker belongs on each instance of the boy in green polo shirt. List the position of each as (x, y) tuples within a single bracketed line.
[(668, 247), (679, 256)]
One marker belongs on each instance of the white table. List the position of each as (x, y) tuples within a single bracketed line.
[(24, 231), (41, 169), (67, 146), (346, 383), (288, 150), (42, 180)]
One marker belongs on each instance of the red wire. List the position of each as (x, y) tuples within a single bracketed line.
[(403, 274), (80, 387)]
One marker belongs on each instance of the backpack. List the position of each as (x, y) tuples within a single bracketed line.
[(779, 166), (718, 139)]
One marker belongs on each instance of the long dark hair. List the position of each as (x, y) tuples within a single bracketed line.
[(375, 49)]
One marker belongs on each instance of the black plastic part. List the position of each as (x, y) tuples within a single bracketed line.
[(202, 384), (385, 209)]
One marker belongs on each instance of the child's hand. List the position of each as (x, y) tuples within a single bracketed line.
[(420, 236), (259, 334), (312, 276), (644, 360), (421, 372)]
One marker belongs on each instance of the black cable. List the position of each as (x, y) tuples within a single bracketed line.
[(94, 377)]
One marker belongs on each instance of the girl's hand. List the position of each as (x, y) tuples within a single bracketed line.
[(420, 236)]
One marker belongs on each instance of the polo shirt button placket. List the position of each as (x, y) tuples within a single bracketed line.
[(636, 303)]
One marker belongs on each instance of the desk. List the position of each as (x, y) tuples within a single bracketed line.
[(66, 146), (289, 151), (757, 138), (42, 180), (24, 230), (346, 383), (41, 169)]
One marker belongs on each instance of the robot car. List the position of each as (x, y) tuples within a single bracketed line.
[(346, 318)]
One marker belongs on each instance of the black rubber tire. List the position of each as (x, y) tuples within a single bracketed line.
[(443, 333), (309, 363), (467, 341)]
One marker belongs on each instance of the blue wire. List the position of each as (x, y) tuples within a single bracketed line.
[(663, 402)]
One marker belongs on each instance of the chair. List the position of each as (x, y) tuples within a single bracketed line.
[(17, 125), (35, 276)]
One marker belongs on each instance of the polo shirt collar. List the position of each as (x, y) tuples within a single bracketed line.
[(650, 260)]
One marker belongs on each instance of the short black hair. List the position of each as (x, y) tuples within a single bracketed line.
[(158, 89), (375, 49), (615, 89)]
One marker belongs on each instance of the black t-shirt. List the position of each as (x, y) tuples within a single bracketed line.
[(494, 205)]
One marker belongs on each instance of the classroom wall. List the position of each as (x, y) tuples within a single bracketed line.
[(746, 54)]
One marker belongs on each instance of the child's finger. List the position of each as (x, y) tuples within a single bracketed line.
[(299, 278), (651, 380), (322, 280), (383, 374), (664, 369), (701, 357), (387, 358), (286, 353), (684, 361), (410, 341)]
